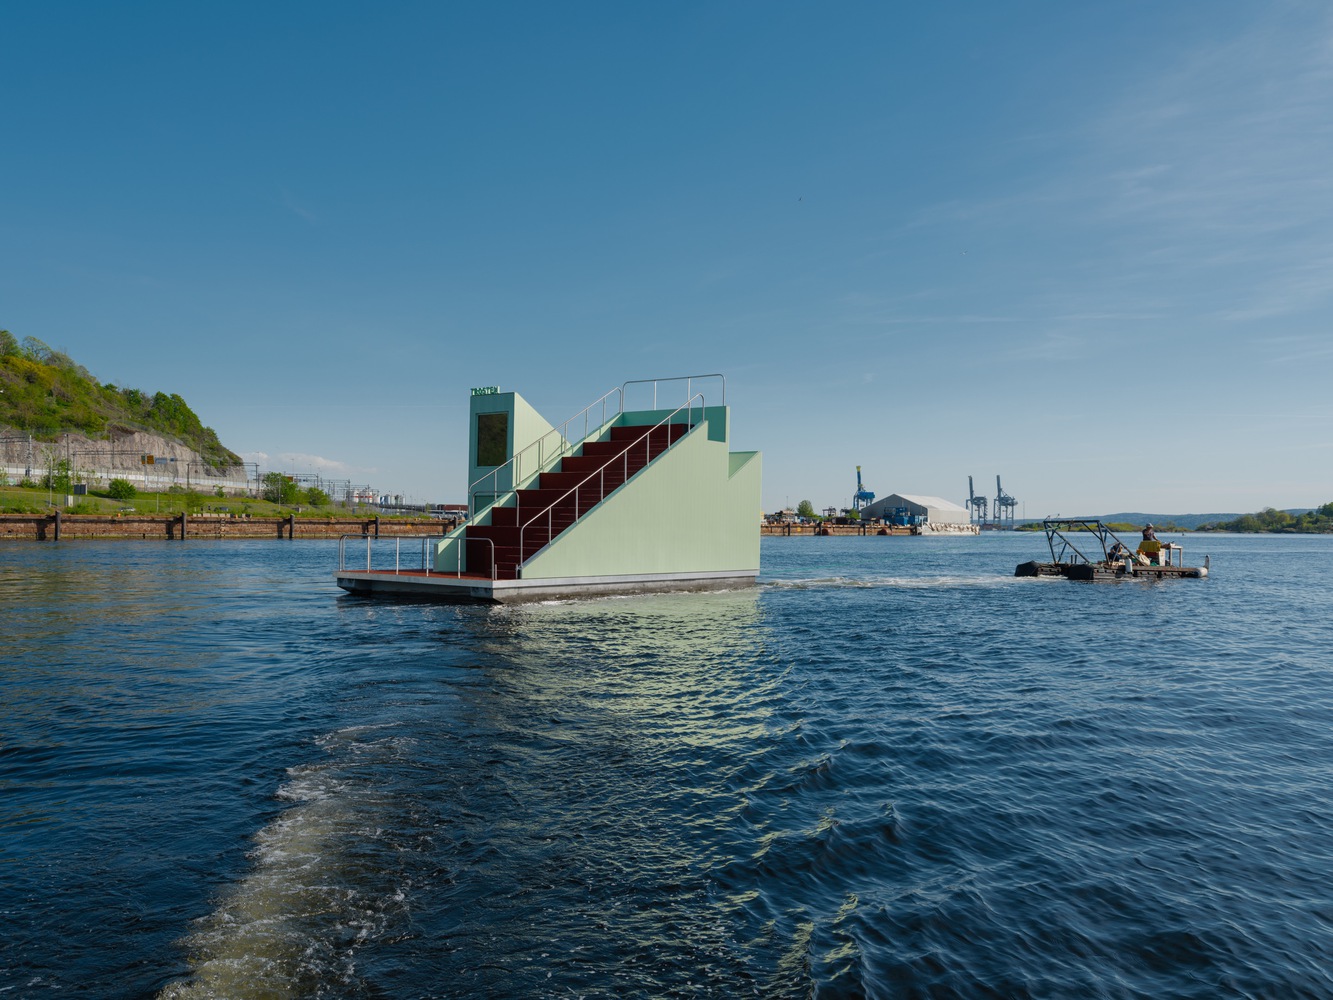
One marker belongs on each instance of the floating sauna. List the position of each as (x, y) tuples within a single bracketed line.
[(613, 501)]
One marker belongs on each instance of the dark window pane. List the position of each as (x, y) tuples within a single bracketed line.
[(492, 438)]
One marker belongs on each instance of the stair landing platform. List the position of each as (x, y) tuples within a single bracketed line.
[(466, 588)]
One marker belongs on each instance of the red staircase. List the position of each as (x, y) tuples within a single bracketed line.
[(562, 496)]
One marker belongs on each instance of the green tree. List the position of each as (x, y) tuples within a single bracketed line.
[(35, 350), (805, 509), (280, 489), (9, 345), (121, 489), (316, 497), (58, 477)]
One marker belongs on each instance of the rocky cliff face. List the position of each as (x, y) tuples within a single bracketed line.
[(103, 459)]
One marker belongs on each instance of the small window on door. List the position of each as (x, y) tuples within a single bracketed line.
[(492, 438)]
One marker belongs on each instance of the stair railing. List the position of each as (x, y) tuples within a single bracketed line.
[(424, 563), (562, 445), (600, 476), (687, 379)]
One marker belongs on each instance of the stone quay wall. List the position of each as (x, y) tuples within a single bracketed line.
[(61, 527)]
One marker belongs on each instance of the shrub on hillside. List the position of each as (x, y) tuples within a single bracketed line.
[(121, 489)]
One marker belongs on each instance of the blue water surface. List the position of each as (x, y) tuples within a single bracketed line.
[(889, 770)]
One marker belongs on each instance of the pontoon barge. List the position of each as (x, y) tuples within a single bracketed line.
[(1106, 559)]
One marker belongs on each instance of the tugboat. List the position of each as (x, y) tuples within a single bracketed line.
[(1107, 558)]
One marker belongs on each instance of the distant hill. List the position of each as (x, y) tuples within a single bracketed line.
[(43, 392), (1301, 522), (1219, 522), (1186, 521)]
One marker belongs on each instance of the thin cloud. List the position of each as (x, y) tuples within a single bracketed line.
[(289, 203), (317, 463)]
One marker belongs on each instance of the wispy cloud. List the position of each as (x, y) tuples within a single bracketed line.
[(1198, 194), (315, 463), (1219, 168), (1299, 353), (297, 461), (290, 203)]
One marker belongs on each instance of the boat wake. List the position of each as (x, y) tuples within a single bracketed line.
[(945, 582), (296, 920)]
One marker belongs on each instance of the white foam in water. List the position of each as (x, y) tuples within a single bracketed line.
[(900, 582), (292, 921)]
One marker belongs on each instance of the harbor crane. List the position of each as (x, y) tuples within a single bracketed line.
[(976, 506), (1004, 505), (862, 497)]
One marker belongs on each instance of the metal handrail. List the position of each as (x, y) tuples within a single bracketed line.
[(397, 553), (687, 379), (463, 541), (1056, 527), (600, 475), (565, 447)]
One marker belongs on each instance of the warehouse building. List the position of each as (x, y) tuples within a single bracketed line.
[(933, 510)]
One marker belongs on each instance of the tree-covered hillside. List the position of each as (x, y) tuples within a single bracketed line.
[(44, 392), (1319, 521)]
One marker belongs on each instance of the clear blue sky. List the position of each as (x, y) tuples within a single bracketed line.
[(1088, 247)]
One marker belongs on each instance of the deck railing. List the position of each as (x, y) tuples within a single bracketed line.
[(689, 381), (425, 560)]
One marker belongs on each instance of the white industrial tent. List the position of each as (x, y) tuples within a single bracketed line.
[(936, 510)]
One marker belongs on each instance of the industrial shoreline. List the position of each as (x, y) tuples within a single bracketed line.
[(59, 526), (866, 528)]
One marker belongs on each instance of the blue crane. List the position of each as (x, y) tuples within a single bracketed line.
[(1004, 505), (976, 506), (862, 497)]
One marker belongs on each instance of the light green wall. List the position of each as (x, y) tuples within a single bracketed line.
[(695, 509), (526, 425)]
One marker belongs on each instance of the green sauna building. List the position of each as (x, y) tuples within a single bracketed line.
[(614, 500)]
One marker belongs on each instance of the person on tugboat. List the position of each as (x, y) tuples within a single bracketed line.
[(1150, 549)]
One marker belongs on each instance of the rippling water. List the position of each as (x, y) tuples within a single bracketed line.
[(890, 770)]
